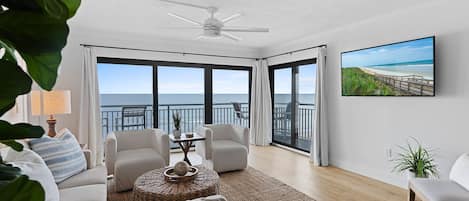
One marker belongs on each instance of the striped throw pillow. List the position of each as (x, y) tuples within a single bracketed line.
[(62, 155)]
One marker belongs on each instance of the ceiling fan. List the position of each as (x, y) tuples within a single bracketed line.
[(213, 27)]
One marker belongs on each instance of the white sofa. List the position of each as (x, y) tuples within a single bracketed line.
[(89, 185), (454, 189), (225, 148), (130, 154)]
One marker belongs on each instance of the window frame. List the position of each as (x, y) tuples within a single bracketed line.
[(208, 81)]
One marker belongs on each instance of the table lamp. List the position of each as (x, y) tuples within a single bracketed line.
[(51, 103)]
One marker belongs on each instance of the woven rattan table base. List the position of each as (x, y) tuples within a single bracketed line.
[(152, 186)]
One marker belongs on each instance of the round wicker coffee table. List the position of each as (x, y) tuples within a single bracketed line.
[(152, 186)]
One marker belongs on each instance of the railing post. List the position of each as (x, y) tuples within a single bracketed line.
[(168, 116)]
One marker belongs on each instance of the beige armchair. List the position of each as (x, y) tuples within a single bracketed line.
[(225, 147), (129, 154)]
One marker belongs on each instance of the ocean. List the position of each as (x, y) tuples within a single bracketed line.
[(164, 99), (423, 68)]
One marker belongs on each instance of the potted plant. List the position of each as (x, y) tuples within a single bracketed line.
[(177, 124), (34, 32), (416, 160)]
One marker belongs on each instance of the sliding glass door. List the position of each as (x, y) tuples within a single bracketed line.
[(126, 96), (181, 90), (293, 93), (231, 97)]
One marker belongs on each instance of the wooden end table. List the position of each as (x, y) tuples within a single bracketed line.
[(185, 143), (152, 186)]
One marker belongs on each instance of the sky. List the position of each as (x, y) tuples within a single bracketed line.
[(417, 50), (138, 79), (306, 80)]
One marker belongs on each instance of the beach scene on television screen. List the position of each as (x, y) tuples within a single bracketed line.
[(401, 69)]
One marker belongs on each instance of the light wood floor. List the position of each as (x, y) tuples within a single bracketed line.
[(320, 183)]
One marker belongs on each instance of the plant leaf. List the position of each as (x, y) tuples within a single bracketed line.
[(33, 32), (8, 173), (13, 144), (60, 9), (15, 82), (43, 68), (21, 5), (22, 189), (9, 51), (19, 131)]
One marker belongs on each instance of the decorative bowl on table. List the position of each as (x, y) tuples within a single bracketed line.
[(171, 176), (189, 135)]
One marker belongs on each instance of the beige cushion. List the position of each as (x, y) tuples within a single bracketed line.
[(96, 192), (95, 175), (229, 155), (131, 164), (440, 190)]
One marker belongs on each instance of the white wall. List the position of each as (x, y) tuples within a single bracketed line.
[(362, 128), (71, 67)]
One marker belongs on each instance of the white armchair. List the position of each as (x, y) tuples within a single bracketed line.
[(225, 147), (129, 154)]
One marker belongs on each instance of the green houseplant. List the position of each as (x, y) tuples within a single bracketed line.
[(34, 31), (417, 160)]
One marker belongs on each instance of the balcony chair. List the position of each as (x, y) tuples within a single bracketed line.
[(241, 115), (133, 117), (454, 189), (225, 148), (129, 154)]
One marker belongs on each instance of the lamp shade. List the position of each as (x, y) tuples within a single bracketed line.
[(53, 102)]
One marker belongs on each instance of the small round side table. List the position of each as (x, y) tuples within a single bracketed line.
[(152, 186)]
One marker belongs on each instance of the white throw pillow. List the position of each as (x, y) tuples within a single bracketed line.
[(31, 164), (460, 171)]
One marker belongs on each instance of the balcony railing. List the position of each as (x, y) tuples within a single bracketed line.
[(282, 122), (135, 117), (116, 117)]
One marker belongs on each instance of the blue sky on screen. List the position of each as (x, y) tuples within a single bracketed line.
[(138, 79), (416, 50), (306, 80)]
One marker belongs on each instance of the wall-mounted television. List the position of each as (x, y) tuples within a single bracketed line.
[(399, 69)]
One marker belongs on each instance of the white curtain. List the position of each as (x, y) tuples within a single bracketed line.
[(261, 108), (90, 118), (319, 142)]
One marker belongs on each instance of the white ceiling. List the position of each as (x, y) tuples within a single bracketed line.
[(287, 20)]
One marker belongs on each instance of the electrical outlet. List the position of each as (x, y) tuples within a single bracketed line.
[(389, 154)]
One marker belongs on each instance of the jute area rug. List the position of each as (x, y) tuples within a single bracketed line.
[(247, 185)]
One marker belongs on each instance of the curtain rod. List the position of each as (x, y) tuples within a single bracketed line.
[(200, 54), (294, 51), (170, 52)]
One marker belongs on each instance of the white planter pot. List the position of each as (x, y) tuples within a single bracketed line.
[(410, 175), (177, 133)]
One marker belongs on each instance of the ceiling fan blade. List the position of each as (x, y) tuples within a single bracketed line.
[(179, 27), (237, 15), (185, 19), (230, 36), (245, 29), (186, 4)]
